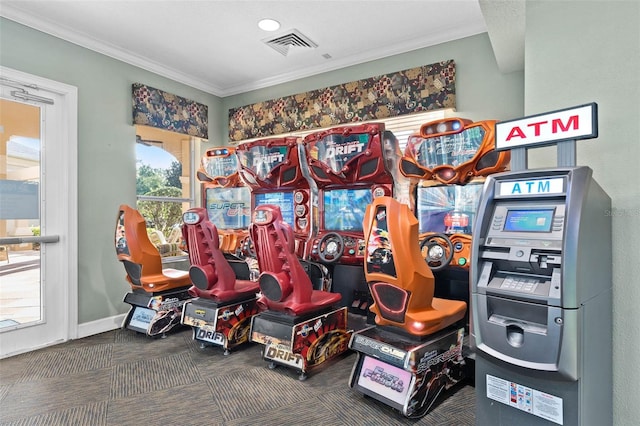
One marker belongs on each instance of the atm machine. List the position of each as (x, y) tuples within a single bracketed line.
[(541, 291)]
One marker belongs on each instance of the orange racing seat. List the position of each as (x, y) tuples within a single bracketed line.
[(400, 281), (141, 259)]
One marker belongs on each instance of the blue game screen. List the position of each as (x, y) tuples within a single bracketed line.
[(344, 208), (229, 208), (448, 208), (284, 200)]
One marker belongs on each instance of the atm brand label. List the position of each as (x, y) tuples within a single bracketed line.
[(532, 187)]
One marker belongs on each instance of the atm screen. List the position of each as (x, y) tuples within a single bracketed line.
[(385, 380), (530, 220), (344, 209), (284, 200), (229, 208), (448, 209)]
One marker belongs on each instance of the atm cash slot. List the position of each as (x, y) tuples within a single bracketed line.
[(523, 259)]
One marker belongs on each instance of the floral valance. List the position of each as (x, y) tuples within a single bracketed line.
[(156, 108), (428, 87)]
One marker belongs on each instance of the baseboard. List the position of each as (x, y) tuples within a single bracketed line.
[(100, 326)]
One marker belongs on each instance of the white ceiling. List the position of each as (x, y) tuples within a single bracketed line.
[(216, 45)]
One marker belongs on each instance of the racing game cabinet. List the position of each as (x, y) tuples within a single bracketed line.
[(300, 327), (223, 306), (226, 198), (414, 352), (350, 165), (274, 170), (157, 294)]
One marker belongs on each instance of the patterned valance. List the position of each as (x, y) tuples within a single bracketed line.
[(155, 108), (424, 88)]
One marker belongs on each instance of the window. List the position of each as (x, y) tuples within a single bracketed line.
[(164, 183)]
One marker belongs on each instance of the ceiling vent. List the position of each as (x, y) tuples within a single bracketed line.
[(293, 38)]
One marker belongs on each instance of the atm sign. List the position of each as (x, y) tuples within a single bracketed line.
[(532, 187), (543, 129)]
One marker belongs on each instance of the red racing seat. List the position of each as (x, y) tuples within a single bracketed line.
[(212, 275), (284, 284), (400, 281), (141, 258)]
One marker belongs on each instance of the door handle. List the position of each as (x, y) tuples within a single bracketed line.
[(22, 240)]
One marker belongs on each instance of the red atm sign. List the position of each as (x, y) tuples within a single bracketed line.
[(544, 129)]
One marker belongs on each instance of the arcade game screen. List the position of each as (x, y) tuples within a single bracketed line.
[(229, 208), (448, 209), (344, 208), (284, 200)]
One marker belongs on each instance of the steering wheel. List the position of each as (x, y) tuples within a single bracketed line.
[(330, 247), (247, 248), (439, 251)]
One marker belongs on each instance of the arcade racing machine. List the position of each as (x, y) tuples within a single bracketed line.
[(414, 351), (157, 294), (300, 327), (226, 197), (223, 306), (272, 168), (447, 163), (349, 168), (427, 356)]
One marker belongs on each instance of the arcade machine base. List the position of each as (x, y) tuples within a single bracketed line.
[(154, 314), (404, 372), (220, 324), (303, 342)]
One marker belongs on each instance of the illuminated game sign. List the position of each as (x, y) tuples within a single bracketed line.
[(336, 150), (262, 159), (449, 149), (544, 129), (220, 162), (453, 150)]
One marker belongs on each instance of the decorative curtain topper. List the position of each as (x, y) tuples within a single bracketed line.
[(424, 88), (156, 108)]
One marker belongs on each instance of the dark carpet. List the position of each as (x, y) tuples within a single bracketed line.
[(125, 378)]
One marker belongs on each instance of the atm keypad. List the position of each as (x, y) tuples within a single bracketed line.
[(523, 285)]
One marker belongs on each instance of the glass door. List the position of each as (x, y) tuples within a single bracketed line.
[(20, 261), (35, 279)]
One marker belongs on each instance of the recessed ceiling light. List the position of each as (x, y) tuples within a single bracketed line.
[(268, 24)]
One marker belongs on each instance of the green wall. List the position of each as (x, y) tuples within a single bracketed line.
[(106, 149), (578, 52), (482, 92)]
